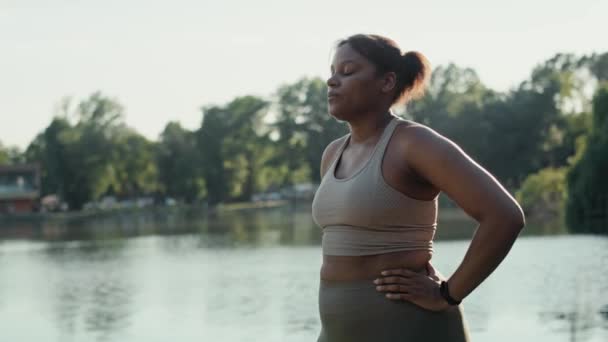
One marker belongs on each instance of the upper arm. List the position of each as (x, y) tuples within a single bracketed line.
[(446, 166), (329, 154)]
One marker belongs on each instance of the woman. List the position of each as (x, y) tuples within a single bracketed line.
[(377, 205)]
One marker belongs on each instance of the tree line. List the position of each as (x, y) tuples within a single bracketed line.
[(545, 140)]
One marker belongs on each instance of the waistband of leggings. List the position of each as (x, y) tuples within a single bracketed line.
[(347, 284), (359, 283)]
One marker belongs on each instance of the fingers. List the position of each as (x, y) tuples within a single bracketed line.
[(393, 288), (399, 296), (402, 284), (402, 292), (406, 290), (393, 280)]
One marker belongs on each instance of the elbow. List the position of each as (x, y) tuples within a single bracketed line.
[(515, 218), (509, 218)]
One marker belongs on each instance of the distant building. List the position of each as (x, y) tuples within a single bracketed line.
[(19, 188)]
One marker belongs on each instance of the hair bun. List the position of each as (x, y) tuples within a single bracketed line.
[(416, 70)]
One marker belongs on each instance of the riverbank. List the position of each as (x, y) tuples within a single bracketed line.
[(444, 213), (96, 213), (451, 221)]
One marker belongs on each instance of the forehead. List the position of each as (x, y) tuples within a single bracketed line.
[(345, 53)]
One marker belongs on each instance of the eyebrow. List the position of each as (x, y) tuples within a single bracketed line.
[(344, 62)]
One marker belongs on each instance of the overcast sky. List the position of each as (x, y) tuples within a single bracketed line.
[(163, 60)]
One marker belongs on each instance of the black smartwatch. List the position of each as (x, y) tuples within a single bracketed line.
[(445, 293)]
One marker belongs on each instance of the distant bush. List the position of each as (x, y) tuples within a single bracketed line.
[(543, 194)]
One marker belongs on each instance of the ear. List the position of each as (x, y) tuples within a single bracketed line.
[(389, 80)]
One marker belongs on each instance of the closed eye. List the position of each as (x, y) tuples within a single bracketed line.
[(348, 69), (345, 68)]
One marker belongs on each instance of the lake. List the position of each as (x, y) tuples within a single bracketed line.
[(252, 275)]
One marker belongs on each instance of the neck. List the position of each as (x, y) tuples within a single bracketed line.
[(368, 126)]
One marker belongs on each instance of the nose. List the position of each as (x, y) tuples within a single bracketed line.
[(332, 82)]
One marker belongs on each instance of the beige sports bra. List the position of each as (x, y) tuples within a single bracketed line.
[(363, 215)]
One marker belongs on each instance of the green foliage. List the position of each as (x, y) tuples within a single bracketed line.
[(10, 155), (209, 140), (49, 148), (599, 66), (587, 205), (4, 157), (304, 128), (234, 148), (133, 165), (527, 137), (529, 124), (543, 194), (244, 146), (95, 156), (178, 162)]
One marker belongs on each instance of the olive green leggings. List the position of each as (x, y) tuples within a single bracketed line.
[(354, 311)]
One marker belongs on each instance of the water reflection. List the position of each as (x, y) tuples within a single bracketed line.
[(109, 307), (190, 275), (93, 294), (572, 306), (99, 305), (287, 225), (576, 322)]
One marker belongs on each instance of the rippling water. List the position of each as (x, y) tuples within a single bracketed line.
[(254, 277)]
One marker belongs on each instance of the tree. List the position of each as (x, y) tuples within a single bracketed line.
[(304, 128), (528, 123), (587, 205), (133, 164), (77, 159), (10, 155), (543, 194), (243, 147), (599, 66), (49, 148), (209, 142), (179, 164)]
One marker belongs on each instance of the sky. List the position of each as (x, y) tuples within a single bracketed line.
[(164, 60)]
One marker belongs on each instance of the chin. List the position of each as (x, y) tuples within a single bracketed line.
[(336, 113)]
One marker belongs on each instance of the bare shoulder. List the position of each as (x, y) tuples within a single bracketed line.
[(418, 140), (415, 139), (412, 130), (446, 166), (330, 153)]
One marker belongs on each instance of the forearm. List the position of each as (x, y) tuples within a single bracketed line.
[(490, 244)]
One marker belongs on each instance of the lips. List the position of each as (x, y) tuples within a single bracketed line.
[(332, 95)]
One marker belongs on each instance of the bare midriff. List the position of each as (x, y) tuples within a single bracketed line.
[(345, 268)]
